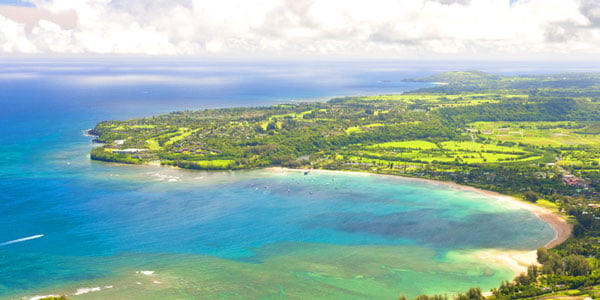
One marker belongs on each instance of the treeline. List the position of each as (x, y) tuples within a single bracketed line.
[(558, 273), (102, 155), (205, 165), (471, 294), (573, 84), (553, 109)]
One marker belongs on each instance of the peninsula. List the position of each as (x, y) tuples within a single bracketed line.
[(532, 137)]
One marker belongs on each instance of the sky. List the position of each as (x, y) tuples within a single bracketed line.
[(373, 29)]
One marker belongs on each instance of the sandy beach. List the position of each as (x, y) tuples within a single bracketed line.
[(518, 261)]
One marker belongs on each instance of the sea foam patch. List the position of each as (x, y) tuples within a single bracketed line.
[(82, 291), (147, 273), (42, 297)]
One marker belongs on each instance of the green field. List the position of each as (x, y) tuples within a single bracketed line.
[(551, 134), (420, 151), (420, 145), (466, 98)]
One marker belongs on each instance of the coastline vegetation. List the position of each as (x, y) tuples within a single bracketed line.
[(533, 137)]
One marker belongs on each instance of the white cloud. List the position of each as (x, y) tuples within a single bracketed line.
[(331, 28), (50, 36), (130, 79), (12, 37)]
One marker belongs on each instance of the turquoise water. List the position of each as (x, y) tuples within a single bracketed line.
[(68, 223)]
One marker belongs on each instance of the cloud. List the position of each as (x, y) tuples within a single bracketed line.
[(30, 16), (129, 79), (591, 10), (13, 39), (314, 28), (463, 2)]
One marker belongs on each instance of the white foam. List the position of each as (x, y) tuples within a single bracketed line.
[(156, 281), (147, 273), (108, 287), (22, 239), (81, 291), (42, 297), (161, 177)]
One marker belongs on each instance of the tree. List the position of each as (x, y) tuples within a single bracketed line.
[(271, 126), (553, 265), (532, 273), (542, 255), (531, 196), (474, 293), (522, 279), (576, 265), (578, 230)]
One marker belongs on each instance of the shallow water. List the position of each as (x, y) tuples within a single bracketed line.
[(253, 234)]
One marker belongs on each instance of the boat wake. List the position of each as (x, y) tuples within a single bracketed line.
[(22, 240)]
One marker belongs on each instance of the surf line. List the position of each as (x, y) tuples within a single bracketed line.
[(22, 240)]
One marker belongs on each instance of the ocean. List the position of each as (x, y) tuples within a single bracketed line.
[(94, 230)]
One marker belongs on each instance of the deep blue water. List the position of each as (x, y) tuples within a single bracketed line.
[(88, 210)]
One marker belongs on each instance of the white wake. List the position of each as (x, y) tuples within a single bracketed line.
[(22, 240)]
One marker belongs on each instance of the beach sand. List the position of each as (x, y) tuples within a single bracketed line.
[(518, 261)]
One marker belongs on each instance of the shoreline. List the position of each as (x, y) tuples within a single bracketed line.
[(518, 261), (86, 133)]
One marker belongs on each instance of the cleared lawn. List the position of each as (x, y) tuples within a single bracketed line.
[(152, 144), (443, 100), (122, 127), (547, 204), (296, 116), (354, 129), (554, 134), (580, 158), (181, 134), (406, 145), (363, 128), (445, 152), (478, 147), (214, 164)]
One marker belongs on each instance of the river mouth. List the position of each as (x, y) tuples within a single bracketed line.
[(150, 232)]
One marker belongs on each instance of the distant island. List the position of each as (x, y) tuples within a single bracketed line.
[(533, 137)]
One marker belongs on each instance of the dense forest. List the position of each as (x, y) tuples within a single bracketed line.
[(533, 137)]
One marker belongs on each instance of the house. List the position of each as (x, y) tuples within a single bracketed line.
[(572, 180)]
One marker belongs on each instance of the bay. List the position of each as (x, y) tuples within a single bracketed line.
[(252, 234)]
